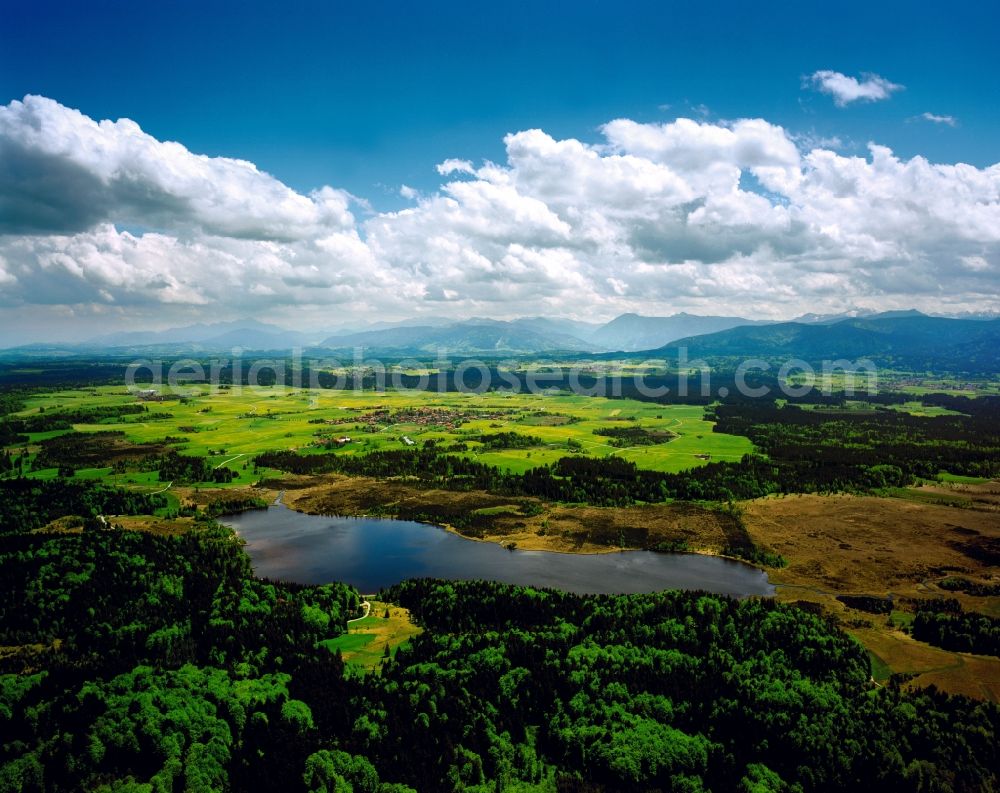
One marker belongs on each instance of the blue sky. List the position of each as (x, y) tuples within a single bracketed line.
[(370, 95), (359, 162)]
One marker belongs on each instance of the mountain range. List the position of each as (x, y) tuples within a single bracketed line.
[(904, 338), (907, 339), (470, 336), (631, 332), (248, 333), (626, 333)]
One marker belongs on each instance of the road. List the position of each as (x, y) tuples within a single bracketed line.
[(368, 610)]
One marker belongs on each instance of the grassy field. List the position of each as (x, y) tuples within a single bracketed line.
[(889, 380), (864, 545), (913, 407), (958, 479), (364, 644), (880, 669), (232, 426)]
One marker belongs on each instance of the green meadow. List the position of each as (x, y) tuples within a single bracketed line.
[(233, 425), (363, 646)]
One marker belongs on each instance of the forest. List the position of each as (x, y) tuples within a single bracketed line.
[(144, 663), (945, 624)]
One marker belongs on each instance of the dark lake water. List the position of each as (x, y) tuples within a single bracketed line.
[(371, 553)]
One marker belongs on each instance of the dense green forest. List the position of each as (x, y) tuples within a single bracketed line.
[(804, 442), (623, 437), (142, 662), (174, 467), (944, 623)]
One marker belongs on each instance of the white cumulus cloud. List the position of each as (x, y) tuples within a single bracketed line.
[(68, 172), (741, 217), (845, 89)]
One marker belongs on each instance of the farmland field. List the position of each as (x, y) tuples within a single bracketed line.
[(231, 426)]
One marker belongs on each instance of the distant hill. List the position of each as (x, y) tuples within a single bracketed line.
[(907, 339), (469, 337), (558, 325), (829, 319), (418, 336), (247, 333), (631, 332), (863, 313), (361, 327)]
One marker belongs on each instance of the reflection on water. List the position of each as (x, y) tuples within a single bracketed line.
[(371, 553)]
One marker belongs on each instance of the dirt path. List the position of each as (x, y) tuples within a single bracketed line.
[(368, 610), (224, 462)]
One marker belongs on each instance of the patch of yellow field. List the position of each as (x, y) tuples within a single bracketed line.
[(364, 645)]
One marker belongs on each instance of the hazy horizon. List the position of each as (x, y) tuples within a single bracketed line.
[(362, 325)]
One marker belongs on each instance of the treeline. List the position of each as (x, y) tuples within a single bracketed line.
[(64, 419), (623, 437), (174, 467), (975, 588), (608, 481), (74, 450), (601, 481), (226, 505), (816, 449), (669, 388), (12, 464), (943, 623), (11, 400), (798, 450), (493, 441), (29, 504), (869, 603)]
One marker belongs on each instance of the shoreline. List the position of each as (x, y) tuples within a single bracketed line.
[(592, 550)]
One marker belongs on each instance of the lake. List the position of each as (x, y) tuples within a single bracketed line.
[(371, 553)]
